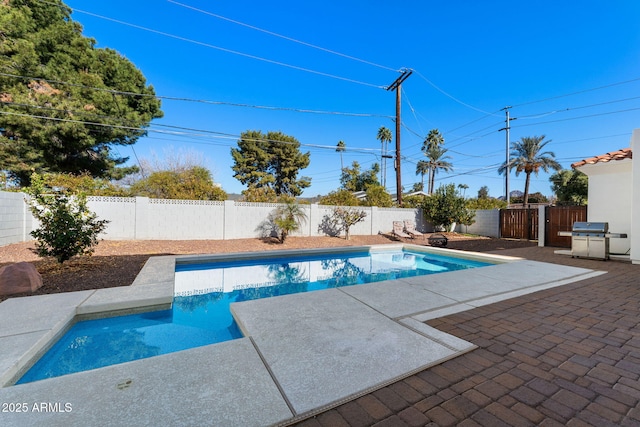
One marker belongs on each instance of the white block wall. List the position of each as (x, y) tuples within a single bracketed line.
[(245, 220), (16, 221), (487, 224), (120, 211), (178, 219), (141, 218)]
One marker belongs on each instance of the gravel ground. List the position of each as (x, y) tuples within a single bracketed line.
[(118, 262)]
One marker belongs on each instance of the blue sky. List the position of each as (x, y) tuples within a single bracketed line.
[(570, 71)]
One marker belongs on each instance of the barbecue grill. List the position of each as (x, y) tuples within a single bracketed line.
[(591, 239)]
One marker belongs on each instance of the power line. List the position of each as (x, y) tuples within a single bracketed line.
[(271, 33), (223, 49), (494, 125), (580, 117), (563, 110), (202, 101), (578, 92), (189, 132), (451, 96)]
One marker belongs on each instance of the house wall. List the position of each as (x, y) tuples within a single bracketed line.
[(610, 193), (635, 198)]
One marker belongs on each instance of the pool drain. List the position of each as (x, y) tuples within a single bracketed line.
[(124, 385)]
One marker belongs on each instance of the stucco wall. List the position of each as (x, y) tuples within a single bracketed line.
[(610, 192), (635, 199)]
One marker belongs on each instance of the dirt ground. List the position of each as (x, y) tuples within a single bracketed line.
[(118, 262)]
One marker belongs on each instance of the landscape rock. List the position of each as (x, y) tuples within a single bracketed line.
[(19, 277)]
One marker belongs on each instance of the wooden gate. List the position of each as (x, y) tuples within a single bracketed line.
[(561, 218), (519, 224)]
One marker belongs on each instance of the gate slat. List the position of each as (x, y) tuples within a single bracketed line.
[(561, 218), (519, 224)]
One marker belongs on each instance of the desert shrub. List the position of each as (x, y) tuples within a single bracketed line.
[(67, 226), (288, 218), (342, 219)]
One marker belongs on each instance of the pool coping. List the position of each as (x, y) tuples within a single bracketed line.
[(153, 289)]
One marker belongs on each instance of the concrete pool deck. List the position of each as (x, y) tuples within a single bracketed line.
[(302, 353)]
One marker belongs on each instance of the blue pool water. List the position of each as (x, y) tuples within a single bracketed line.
[(200, 313)]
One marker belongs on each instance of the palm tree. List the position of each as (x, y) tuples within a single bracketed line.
[(422, 168), (384, 136), (340, 147), (437, 161), (463, 187), (527, 156), (289, 217), (434, 138)]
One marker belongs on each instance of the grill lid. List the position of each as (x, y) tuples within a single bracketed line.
[(590, 227)]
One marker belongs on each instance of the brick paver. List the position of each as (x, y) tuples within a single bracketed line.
[(563, 356)]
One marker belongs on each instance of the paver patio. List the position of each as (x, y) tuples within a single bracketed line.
[(563, 356)]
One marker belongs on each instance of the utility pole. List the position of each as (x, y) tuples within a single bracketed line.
[(507, 171), (397, 86)]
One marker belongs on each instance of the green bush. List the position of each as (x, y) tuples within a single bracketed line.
[(446, 207), (414, 201), (67, 226)]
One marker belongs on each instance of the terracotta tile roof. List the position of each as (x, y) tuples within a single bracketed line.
[(622, 154)]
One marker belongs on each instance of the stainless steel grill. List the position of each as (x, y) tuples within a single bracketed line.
[(590, 239)]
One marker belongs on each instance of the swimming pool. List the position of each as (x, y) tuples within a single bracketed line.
[(200, 313)]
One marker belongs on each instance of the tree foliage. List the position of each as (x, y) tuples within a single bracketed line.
[(340, 198), (289, 218), (437, 161), (436, 158), (384, 135), (376, 195), (536, 197), (422, 169), (483, 192), (527, 156), (413, 201), (194, 183), (67, 227), (340, 148), (570, 186), (433, 139), (486, 203), (273, 161), (343, 218), (353, 179), (82, 96), (255, 194), (446, 207), (83, 184)]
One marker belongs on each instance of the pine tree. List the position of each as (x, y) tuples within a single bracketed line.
[(273, 160), (63, 100)]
